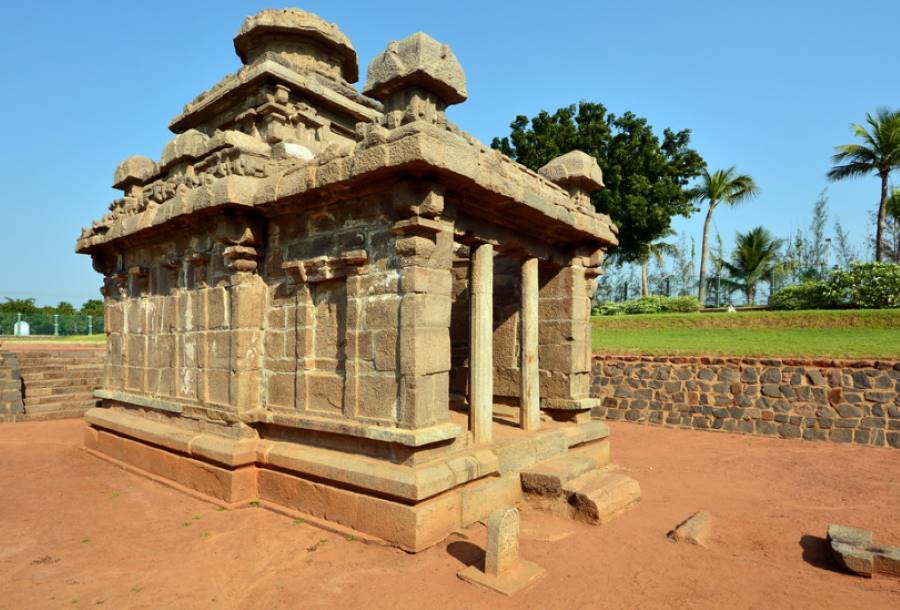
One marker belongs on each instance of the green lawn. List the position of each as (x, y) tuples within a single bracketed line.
[(836, 334), (95, 338)]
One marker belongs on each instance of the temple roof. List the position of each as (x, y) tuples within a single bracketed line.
[(283, 128)]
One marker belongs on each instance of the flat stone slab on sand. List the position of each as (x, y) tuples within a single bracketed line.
[(516, 578)]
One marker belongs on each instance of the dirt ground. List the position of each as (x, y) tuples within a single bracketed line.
[(76, 532)]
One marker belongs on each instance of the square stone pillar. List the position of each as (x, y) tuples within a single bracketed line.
[(565, 338), (424, 251), (529, 373), (481, 344)]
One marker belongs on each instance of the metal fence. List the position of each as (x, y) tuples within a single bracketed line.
[(45, 324)]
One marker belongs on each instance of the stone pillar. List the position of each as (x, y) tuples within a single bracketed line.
[(565, 340), (424, 248), (529, 373), (481, 344)]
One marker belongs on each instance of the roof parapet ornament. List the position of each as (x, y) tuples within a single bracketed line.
[(132, 172), (301, 38), (578, 173), (416, 79)]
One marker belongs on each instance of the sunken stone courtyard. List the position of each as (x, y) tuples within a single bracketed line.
[(330, 302)]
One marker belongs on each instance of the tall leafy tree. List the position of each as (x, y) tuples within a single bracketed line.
[(18, 306), (655, 251), (721, 186), (92, 307), (846, 253), (646, 178), (879, 153), (755, 257), (64, 308)]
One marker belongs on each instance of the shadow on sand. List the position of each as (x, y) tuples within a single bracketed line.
[(817, 553), (465, 552)]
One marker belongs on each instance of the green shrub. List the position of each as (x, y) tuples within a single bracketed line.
[(866, 286), (863, 286), (683, 304), (609, 308), (651, 304), (808, 295)]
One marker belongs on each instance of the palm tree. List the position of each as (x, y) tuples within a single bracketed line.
[(755, 257), (655, 250), (892, 210), (879, 154), (722, 186)]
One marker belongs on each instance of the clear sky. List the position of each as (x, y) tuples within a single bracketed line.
[(768, 86)]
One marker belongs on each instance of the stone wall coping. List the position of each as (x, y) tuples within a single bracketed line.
[(418, 437), (147, 402), (885, 364)]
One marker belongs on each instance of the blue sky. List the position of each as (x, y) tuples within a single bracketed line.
[(770, 87)]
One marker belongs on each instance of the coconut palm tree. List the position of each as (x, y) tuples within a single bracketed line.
[(755, 257), (722, 186), (892, 211), (654, 251), (879, 153)]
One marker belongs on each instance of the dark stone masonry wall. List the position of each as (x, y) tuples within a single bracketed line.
[(842, 401)]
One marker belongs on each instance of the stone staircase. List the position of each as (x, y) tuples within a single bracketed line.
[(58, 383), (581, 485)]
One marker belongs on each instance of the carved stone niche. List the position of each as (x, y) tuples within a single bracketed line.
[(322, 268), (139, 280), (243, 237), (411, 198), (169, 271)]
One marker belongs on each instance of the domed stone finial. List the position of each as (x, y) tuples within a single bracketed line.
[(132, 171), (577, 172), (302, 38), (418, 75)]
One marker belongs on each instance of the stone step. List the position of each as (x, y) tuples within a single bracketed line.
[(59, 353), (56, 410), (37, 358), (35, 366), (57, 361), (74, 386), (549, 477), (62, 382), (60, 406), (599, 496), (63, 374), (59, 399)]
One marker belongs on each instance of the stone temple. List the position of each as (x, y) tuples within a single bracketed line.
[(342, 304)]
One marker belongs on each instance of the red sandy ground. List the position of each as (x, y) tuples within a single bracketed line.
[(76, 531)]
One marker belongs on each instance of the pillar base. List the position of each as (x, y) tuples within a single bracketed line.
[(516, 578)]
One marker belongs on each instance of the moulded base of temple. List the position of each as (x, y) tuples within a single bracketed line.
[(413, 505)]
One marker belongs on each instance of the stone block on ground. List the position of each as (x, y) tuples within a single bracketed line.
[(503, 570), (854, 550), (598, 496), (547, 478), (693, 530)]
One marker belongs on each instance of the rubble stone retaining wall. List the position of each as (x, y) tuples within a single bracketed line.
[(842, 401)]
